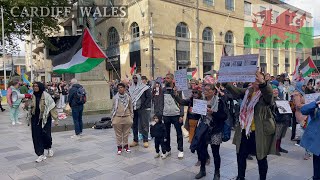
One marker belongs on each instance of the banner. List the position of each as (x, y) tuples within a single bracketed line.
[(181, 79), (284, 107), (241, 68)]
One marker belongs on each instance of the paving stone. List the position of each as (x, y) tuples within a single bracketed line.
[(86, 174), (18, 156), (66, 151), (9, 149), (84, 159), (180, 175), (139, 168), (31, 178), (31, 165)]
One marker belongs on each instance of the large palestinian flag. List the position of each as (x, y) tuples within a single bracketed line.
[(82, 57)]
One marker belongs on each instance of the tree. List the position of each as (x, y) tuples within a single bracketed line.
[(19, 26)]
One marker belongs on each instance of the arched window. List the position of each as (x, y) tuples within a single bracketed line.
[(262, 53), (275, 46), (229, 43), (286, 45), (183, 46), (299, 52), (207, 34), (247, 44), (135, 32), (182, 30), (287, 56), (207, 50), (113, 37)]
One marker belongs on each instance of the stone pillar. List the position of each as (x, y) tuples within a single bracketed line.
[(98, 90)]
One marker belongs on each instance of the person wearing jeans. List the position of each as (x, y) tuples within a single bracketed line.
[(77, 109), (14, 102), (172, 114), (310, 139)]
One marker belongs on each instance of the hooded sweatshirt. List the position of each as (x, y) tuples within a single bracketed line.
[(73, 94)]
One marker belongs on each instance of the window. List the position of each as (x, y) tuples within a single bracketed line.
[(207, 57), (287, 20), (207, 34), (262, 42), (299, 52), (134, 30), (229, 37), (274, 17), (247, 8), (286, 46), (182, 30), (113, 37), (208, 2), (230, 5), (183, 55), (247, 40)]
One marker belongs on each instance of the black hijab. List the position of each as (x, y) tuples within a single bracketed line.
[(41, 89)]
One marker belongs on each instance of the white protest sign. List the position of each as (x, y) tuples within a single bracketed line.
[(199, 107), (241, 68), (284, 107), (181, 79), (309, 98)]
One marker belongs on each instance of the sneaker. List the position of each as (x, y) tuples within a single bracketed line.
[(180, 155), (50, 152), (157, 155), (200, 175), (283, 150), (133, 144), (145, 144), (13, 123), (41, 158), (119, 150), (75, 137), (2, 110), (18, 122), (168, 153), (163, 156), (126, 147)]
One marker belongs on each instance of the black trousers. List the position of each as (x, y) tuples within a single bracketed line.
[(159, 142), (168, 120), (216, 158), (293, 126), (141, 118), (248, 146), (41, 137), (316, 167)]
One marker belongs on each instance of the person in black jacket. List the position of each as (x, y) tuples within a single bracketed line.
[(158, 131), (282, 122)]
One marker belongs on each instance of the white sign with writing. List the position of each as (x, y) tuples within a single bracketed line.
[(199, 107), (241, 68), (309, 98), (181, 79), (284, 107)]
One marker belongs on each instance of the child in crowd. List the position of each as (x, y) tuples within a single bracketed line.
[(158, 131)]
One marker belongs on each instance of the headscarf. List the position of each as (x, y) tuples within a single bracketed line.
[(124, 99), (299, 87), (136, 90), (41, 89)]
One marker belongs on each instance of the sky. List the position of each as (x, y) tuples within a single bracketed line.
[(311, 6)]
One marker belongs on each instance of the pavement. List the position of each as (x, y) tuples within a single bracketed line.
[(94, 157)]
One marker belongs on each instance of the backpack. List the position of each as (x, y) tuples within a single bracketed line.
[(81, 97)]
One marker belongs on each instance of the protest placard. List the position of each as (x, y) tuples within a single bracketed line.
[(241, 68), (311, 97), (284, 107), (199, 107), (181, 79)]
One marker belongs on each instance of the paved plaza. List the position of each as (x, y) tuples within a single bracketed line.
[(94, 157)]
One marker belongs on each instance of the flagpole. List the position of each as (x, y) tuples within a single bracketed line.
[(115, 70), (4, 50)]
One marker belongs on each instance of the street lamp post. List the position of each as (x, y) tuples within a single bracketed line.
[(31, 64), (3, 50)]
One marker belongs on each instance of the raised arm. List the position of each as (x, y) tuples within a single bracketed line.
[(239, 92), (266, 91), (308, 109)]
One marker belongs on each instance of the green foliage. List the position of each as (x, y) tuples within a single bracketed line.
[(41, 26)]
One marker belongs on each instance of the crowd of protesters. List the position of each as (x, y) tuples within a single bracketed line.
[(150, 108)]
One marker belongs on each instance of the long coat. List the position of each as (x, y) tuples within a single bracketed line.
[(263, 119)]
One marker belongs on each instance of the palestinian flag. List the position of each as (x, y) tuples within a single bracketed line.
[(191, 74), (82, 57), (307, 67), (133, 69)]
